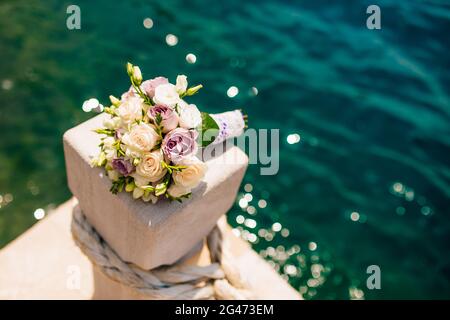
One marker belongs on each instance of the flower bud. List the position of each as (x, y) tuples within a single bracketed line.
[(181, 85), (160, 189), (129, 69), (129, 187), (101, 161), (193, 90), (137, 75), (115, 102), (137, 193), (109, 111)]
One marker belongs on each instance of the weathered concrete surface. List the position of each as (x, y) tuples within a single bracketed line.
[(145, 234), (45, 263)]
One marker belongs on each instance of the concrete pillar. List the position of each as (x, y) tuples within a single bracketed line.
[(142, 233)]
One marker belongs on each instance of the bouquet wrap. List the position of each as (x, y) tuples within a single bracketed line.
[(231, 124)]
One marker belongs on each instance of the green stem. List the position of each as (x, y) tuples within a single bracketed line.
[(141, 94)]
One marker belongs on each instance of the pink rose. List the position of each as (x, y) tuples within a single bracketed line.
[(168, 116), (149, 86), (129, 94), (179, 144)]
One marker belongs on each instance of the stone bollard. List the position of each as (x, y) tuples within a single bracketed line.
[(141, 233)]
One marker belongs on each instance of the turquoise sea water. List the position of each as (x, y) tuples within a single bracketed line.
[(369, 180)]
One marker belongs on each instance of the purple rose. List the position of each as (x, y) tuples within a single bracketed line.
[(124, 167), (169, 117), (148, 86), (179, 143)]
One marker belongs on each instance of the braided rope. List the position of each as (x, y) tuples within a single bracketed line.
[(219, 280)]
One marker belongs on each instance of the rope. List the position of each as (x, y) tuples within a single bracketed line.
[(219, 280)]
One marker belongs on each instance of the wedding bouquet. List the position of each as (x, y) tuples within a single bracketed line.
[(151, 137)]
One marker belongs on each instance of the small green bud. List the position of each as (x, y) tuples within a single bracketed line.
[(115, 102), (109, 110), (193, 90), (136, 161), (160, 189), (129, 69), (129, 187), (101, 159)]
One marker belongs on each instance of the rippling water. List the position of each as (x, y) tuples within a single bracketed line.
[(368, 181)]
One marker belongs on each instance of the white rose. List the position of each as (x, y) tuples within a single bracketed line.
[(190, 116), (110, 154), (108, 142), (182, 84), (166, 94), (141, 138), (190, 176), (109, 149), (177, 191), (112, 123), (150, 166), (130, 109)]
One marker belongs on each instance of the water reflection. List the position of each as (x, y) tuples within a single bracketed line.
[(171, 40), (39, 214), (191, 58), (232, 91), (148, 23), (366, 180), (7, 84)]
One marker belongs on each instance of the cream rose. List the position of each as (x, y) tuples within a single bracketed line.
[(190, 176), (166, 94), (130, 109), (177, 191), (141, 138), (190, 117), (150, 166)]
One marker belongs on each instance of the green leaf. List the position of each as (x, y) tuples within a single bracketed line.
[(179, 199), (148, 188), (158, 119), (118, 185), (171, 168), (209, 130), (108, 132)]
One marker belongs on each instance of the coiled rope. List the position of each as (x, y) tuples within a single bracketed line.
[(219, 280)]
